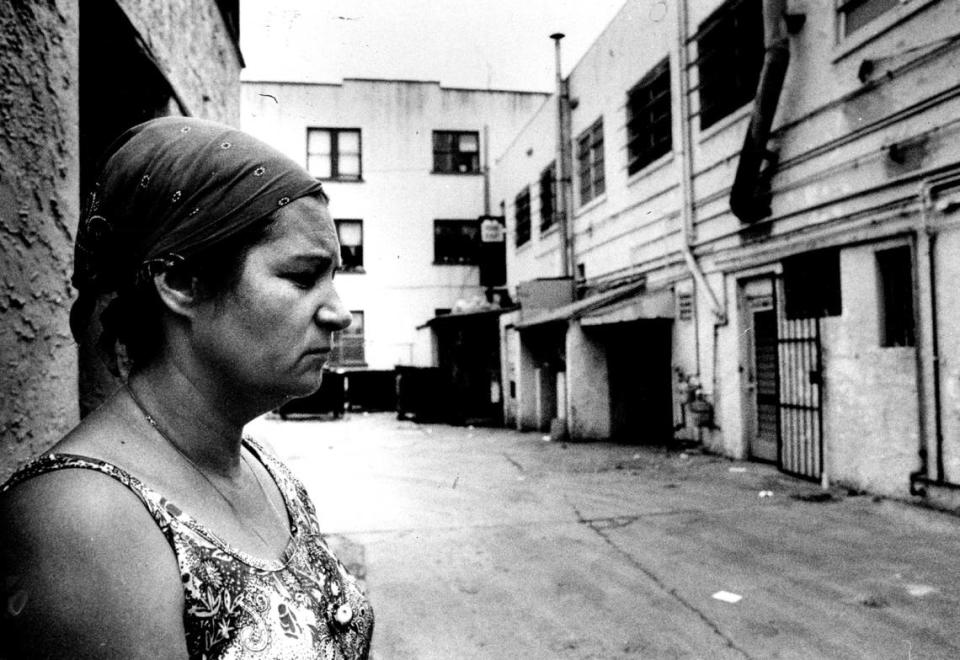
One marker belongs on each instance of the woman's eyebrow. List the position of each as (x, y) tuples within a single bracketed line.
[(322, 259)]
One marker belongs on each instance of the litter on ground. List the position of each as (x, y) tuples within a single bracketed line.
[(727, 597)]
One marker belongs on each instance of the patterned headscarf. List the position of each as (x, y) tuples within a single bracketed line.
[(171, 188)]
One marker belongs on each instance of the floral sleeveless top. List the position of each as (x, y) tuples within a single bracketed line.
[(305, 605)]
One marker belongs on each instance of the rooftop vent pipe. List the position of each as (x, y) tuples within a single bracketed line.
[(750, 194)]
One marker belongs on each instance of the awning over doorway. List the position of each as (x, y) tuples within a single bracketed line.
[(649, 305), (628, 303)]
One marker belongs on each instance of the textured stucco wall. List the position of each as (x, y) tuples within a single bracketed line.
[(190, 41), (39, 190), (39, 187)]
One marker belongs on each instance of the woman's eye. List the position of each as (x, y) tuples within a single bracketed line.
[(304, 279)]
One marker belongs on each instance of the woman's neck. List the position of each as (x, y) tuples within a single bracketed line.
[(200, 417)]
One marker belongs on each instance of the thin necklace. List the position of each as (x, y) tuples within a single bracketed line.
[(151, 420)]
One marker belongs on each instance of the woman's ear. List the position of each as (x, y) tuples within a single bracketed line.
[(178, 291)]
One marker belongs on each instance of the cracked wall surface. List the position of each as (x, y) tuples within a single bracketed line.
[(39, 190)]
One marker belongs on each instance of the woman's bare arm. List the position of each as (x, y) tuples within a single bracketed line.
[(86, 573)]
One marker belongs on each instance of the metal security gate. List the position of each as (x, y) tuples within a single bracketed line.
[(799, 399)]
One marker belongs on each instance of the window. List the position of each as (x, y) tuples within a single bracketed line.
[(347, 345), (730, 54), (456, 152), (350, 233), (548, 197), (649, 128), (521, 211), (895, 270), (590, 162), (455, 241), (811, 284), (334, 153), (854, 14)]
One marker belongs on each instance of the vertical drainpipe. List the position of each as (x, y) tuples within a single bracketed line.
[(563, 167), (486, 169), (928, 358), (686, 187)]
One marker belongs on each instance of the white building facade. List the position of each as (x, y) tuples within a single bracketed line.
[(403, 163), (818, 327)]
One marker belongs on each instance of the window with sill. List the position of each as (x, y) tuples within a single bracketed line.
[(455, 242), (895, 274), (334, 153), (456, 152), (855, 14), (590, 175), (521, 211), (347, 347), (649, 127), (729, 58), (548, 197), (350, 234)]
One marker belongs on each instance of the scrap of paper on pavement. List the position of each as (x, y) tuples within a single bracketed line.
[(727, 597)]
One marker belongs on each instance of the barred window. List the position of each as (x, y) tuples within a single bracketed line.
[(649, 127), (590, 162), (548, 197), (729, 58), (522, 216)]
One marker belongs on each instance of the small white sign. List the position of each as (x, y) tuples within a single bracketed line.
[(492, 231), (727, 597)]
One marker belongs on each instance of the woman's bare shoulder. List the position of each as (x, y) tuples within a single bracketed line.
[(86, 572)]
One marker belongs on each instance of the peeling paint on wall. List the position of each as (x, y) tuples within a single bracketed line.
[(39, 183)]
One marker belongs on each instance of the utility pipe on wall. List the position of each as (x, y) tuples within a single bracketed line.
[(749, 195), (686, 149), (563, 202)]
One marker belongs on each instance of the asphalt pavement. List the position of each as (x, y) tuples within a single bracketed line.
[(491, 543)]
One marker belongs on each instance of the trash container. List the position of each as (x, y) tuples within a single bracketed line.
[(421, 394), (330, 399)]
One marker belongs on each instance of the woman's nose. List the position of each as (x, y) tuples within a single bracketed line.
[(333, 314)]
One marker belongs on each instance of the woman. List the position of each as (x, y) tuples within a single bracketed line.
[(154, 529)]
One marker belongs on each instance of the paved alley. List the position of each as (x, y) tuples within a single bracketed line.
[(490, 543)]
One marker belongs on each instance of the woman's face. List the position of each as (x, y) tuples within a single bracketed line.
[(270, 336)]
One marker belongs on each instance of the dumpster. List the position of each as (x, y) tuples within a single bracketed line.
[(330, 399), (421, 394)]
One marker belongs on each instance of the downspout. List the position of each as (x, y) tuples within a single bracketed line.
[(486, 169), (928, 354), (686, 162), (750, 194), (563, 200)]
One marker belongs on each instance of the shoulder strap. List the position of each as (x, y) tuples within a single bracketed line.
[(159, 507)]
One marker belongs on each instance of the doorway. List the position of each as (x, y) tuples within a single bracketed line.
[(640, 380), (783, 385)]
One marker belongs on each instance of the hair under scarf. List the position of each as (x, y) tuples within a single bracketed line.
[(170, 189)]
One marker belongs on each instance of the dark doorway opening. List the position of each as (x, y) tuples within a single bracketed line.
[(640, 380)]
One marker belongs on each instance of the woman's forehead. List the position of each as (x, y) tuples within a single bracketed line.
[(305, 220)]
